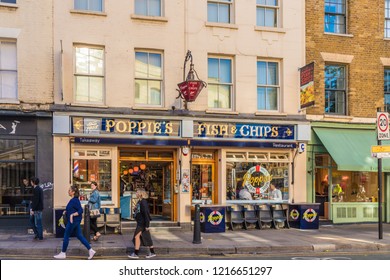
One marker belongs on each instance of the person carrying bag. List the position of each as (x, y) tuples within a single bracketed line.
[(94, 204)]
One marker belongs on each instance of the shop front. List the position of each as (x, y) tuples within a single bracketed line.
[(343, 174), (180, 163), (25, 151)]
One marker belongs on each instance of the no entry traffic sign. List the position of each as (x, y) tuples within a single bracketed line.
[(382, 123)]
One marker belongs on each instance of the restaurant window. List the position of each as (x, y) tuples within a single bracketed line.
[(148, 78), (89, 74), (267, 13), (256, 177), (335, 16), (89, 5), (219, 11), (220, 83), (335, 89), (148, 7), (8, 70), (92, 165), (17, 166)]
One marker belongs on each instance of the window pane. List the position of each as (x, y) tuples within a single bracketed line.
[(96, 5), (212, 96), (141, 65), (272, 73), (8, 56), (213, 71), (154, 8), (261, 98), (225, 71), (96, 62), (82, 62), (261, 73), (141, 92), (270, 17), (212, 12), (155, 92), (387, 102), (224, 97), (82, 89), (334, 77), (224, 13), (8, 83), (272, 99), (81, 5), (155, 66), (96, 89), (140, 7), (260, 2), (260, 17)]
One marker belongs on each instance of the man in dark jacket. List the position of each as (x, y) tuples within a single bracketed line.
[(36, 209)]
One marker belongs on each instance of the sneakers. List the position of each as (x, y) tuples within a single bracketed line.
[(133, 256), (61, 256), (92, 252), (150, 255)]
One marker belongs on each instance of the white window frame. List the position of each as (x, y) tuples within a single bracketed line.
[(89, 6), (231, 84), (387, 19), (147, 7), (269, 7), (89, 76), (8, 70), (230, 4), (277, 86), (148, 79)]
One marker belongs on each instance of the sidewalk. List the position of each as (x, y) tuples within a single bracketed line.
[(330, 238)]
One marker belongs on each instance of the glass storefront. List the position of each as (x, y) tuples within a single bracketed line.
[(254, 173), (17, 166)]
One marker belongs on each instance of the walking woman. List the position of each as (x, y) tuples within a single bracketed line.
[(94, 203), (142, 216), (74, 215)]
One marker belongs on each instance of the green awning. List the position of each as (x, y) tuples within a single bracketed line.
[(351, 148)]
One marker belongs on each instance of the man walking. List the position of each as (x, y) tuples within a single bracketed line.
[(36, 209)]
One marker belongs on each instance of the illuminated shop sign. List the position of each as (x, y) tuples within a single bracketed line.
[(105, 126), (243, 130)]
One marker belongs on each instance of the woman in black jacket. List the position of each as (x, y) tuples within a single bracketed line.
[(142, 216)]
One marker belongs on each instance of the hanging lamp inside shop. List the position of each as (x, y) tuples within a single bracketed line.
[(142, 166)]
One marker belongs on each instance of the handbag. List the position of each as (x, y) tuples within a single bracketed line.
[(94, 213)]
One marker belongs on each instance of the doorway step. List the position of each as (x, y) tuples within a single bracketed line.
[(155, 226)]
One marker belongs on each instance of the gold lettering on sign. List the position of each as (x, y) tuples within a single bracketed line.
[(256, 180), (275, 132), (122, 126), (213, 129)]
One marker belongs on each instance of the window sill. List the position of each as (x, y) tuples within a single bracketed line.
[(221, 25), (273, 113), (91, 13), (8, 6), (88, 105), (339, 34), (386, 39), (143, 108), (149, 18), (270, 29), (9, 101), (328, 116), (221, 112)]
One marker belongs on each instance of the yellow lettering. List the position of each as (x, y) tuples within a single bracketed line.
[(141, 126), (132, 126), (109, 124), (121, 126), (157, 128), (275, 132), (168, 128)]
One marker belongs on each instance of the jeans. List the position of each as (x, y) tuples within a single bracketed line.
[(36, 224), (69, 229)]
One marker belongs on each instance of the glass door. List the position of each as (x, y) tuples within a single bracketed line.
[(202, 182)]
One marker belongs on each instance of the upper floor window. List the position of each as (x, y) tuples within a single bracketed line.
[(387, 18), (89, 5), (148, 78), (335, 16), (387, 89), (267, 13), (8, 70), (220, 85), (148, 7), (89, 74), (267, 85), (219, 11), (8, 1), (335, 89)]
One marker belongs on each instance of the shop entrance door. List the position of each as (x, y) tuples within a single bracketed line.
[(203, 179), (153, 175)]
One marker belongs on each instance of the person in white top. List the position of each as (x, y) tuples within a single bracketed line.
[(274, 194), (245, 194)]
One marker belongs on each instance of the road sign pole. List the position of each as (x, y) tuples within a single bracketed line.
[(380, 226)]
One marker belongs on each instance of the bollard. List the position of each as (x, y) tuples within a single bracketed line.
[(87, 224), (196, 239)]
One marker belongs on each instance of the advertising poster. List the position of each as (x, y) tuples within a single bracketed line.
[(307, 86)]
